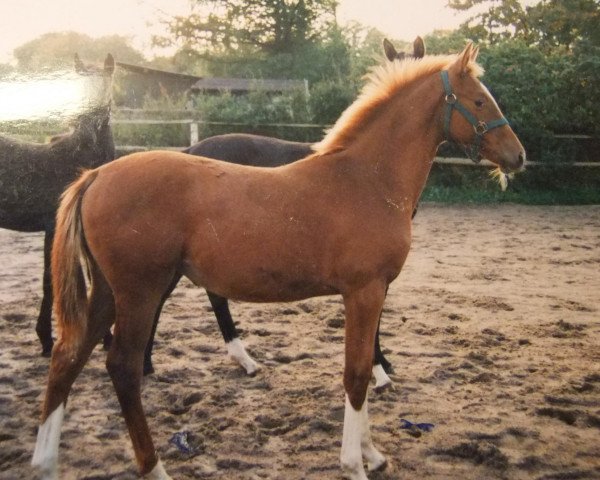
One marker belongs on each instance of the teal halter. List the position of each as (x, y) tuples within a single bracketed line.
[(479, 126)]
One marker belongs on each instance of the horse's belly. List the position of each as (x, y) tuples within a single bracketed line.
[(258, 283)]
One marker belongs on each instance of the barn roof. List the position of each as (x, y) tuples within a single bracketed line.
[(153, 71)]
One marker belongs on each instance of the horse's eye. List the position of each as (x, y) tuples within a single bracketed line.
[(479, 103)]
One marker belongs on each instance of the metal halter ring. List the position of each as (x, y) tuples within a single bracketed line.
[(451, 99)]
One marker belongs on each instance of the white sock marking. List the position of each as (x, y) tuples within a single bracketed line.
[(381, 378), (158, 473), (237, 352), (45, 456), (351, 455), (357, 443), (370, 453)]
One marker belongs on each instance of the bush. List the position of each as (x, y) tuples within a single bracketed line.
[(545, 93)]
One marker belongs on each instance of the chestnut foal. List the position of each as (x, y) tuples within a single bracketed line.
[(337, 222), (261, 151)]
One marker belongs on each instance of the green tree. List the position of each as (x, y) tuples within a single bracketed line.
[(53, 51), (268, 26), (548, 23), (543, 93), (565, 23), (6, 69), (500, 19), (445, 41)]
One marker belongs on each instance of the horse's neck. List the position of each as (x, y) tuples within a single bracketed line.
[(398, 146)]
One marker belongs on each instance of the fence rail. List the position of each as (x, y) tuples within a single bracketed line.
[(188, 118), (194, 124)]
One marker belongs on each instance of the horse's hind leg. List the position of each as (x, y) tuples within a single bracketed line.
[(134, 314), (148, 367), (44, 322), (381, 367), (65, 365), (382, 380), (235, 347)]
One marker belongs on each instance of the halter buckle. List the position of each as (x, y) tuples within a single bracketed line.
[(480, 128)]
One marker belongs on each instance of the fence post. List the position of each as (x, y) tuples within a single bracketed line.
[(193, 133)]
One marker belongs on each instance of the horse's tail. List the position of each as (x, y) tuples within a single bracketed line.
[(68, 253)]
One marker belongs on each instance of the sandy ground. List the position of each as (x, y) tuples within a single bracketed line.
[(493, 329)]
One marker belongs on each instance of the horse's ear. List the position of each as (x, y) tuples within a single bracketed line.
[(464, 58), (109, 64), (418, 48), (475, 53), (390, 50), (79, 66)]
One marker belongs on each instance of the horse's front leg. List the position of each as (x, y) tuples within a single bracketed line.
[(362, 316)]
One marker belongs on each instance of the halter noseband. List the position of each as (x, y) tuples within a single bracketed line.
[(479, 126)]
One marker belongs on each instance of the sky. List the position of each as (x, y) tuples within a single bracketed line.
[(25, 20)]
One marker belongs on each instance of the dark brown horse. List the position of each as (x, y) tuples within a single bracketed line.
[(33, 175), (337, 222), (259, 151)]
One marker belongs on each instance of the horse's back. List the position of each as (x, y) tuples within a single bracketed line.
[(254, 150), (33, 176)]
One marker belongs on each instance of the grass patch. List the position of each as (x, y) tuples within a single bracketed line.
[(461, 194), (536, 186)]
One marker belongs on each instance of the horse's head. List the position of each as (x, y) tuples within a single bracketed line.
[(99, 81), (472, 117), (392, 54), (91, 127)]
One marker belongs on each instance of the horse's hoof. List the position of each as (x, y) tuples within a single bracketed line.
[(383, 388), (47, 353), (387, 368), (252, 369), (382, 381), (379, 468), (148, 369)]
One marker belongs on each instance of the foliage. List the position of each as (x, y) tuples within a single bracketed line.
[(329, 99), (547, 24), (542, 94), (6, 70), (330, 58), (255, 108), (445, 41), (267, 26), (547, 185), (53, 51)]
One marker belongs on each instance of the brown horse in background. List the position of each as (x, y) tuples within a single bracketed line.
[(337, 222)]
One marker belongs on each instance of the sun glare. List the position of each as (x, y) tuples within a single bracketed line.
[(37, 98)]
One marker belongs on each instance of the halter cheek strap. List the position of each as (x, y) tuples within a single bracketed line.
[(479, 126)]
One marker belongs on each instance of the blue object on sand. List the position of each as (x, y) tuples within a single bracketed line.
[(180, 440), (425, 427)]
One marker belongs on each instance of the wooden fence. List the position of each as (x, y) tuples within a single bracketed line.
[(194, 124)]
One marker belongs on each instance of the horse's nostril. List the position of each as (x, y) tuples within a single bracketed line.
[(521, 159)]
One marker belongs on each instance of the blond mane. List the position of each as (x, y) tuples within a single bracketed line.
[(382, 83)]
